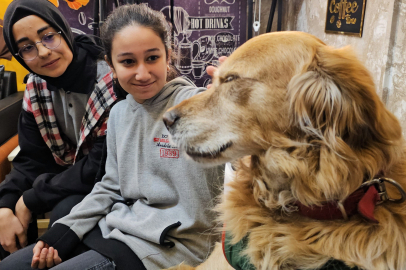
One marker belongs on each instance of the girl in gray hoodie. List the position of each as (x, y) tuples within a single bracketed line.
[(152, 208)]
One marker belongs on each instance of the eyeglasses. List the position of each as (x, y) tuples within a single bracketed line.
[(30, 51)]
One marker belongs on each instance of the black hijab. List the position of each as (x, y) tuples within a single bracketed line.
[(80, 76)]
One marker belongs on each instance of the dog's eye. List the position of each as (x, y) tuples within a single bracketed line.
[(230, 78)]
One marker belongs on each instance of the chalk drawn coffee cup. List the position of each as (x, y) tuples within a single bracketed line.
[(198, 68)]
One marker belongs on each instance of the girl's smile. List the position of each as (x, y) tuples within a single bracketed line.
[(139, 61), (144, 85), (49, 62)]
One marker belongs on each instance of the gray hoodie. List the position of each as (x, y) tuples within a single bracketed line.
[(152, 197)]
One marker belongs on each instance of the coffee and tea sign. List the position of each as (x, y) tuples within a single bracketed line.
[(345, 17)]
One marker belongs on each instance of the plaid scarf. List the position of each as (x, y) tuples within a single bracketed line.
[(38, 101)]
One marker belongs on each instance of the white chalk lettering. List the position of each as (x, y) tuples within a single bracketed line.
[(216, 23), (219, 9)]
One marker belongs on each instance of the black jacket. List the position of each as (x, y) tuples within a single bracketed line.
[(37, 176), (63, 239)]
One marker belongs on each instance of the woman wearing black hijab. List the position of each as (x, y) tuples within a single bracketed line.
[(62, 126)]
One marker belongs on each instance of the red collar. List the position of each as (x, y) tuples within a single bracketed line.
[(361, 201)]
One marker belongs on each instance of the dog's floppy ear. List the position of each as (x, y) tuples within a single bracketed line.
[(334, 100)]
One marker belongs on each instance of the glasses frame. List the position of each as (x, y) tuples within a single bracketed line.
[(35, 44)]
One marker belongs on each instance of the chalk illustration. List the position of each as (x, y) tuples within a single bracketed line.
[(209, 2), (82, 18), (192, 57), (204, 48), (225, 43), (201, 37), (77, 31), (207, 82), (181, 21)]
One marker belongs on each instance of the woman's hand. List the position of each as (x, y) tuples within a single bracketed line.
[(10, 227), (212, 69), (23, 213), (44, 256)]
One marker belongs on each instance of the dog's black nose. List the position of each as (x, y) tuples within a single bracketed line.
[(170, 118)]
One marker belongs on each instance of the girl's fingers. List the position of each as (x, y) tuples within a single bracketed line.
[(36, 254), (210, 70), (36, 251), (42, 258), (35, 262), (222, 59), (57, 259), (22, 238), (37, 248), (50, 257)]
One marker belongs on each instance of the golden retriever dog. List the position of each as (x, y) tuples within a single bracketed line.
[(315, 133)]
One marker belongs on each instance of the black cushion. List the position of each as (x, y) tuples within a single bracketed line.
[(1, 80), (9, 84), (10, 109)]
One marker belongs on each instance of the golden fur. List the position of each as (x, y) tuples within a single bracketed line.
[(309, 118)]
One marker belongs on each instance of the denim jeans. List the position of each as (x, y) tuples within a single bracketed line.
[(90, 260)]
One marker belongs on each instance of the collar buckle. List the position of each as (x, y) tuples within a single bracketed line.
[(379, 184)]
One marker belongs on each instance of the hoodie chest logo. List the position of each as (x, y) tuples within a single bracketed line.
[(166, 150)]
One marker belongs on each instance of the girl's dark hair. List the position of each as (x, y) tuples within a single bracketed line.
[(140, 15)]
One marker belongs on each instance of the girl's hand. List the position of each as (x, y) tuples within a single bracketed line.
[(44, 256), (211, 69), (10, 227), (23, 213)]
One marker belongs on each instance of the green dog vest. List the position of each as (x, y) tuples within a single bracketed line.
[(241, 262)]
